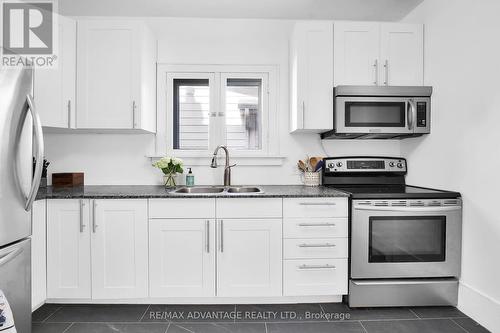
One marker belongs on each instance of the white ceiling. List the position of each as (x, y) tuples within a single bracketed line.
[(383, 10)]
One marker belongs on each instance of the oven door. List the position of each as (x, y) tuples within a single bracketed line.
[(374, 115), (398, 242)]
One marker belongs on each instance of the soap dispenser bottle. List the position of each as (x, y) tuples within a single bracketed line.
[(190, 178)]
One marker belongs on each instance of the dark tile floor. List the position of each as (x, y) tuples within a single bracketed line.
[(283, 318)]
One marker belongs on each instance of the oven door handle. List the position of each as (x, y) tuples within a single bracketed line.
[(408, 209)]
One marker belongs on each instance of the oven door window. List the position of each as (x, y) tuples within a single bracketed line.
[(375, 114), (407, 238)]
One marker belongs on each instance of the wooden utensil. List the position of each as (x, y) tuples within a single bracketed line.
[(313, 161)]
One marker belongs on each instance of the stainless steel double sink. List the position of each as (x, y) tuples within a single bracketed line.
[(198, 190)]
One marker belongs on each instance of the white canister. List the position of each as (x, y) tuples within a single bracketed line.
[(311, 178)]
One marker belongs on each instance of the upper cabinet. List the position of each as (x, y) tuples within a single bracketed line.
[(55, 89), (371, 53), (402, 53), (105, 80), (116, 75), (311, 76)]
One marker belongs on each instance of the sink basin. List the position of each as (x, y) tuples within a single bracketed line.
[(244, 190), (199, 190)]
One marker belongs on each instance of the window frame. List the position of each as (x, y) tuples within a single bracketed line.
[(216, 74)]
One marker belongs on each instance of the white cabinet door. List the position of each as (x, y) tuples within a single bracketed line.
[(108, 82), (402, 54), (119, 249), (182, 257), (38, 254), (312, 77), (249, 257), (356, 53), (68, 249), (55, 89)]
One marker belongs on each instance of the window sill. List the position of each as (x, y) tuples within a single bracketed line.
[(257, 160)]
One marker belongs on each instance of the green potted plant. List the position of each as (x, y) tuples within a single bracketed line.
[(170, 166)]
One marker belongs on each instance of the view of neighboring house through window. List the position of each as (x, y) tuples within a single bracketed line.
[(210, 109), (191, 114), (243, 113)]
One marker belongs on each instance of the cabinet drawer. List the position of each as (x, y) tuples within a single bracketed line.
[(249, 208), (181, 208), (315, 277), (315, 207), (315, 227), (315, 248)]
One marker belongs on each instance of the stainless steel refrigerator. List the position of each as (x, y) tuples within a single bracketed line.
[(21, 138)]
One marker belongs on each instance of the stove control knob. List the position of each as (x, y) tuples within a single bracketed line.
[(331, 165), (339, 164), (400, 165), (391, 164)]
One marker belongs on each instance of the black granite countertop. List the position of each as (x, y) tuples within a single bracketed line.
[(158, 191)]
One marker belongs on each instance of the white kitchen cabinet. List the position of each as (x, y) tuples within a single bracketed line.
[(182, 257), (55, 89), (116, 75), (68, 249), (356, 53), (38, 254), (311, 76), (374, 53), (402, 55), (119, 249), (249, 257)]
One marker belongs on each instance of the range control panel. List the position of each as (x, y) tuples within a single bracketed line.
[(365, 164)]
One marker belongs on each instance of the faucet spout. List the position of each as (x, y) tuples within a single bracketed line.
[(227, 167)]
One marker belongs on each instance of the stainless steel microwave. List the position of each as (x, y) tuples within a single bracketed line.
[(372, 112)]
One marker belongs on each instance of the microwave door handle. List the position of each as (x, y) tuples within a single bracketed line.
[(411, 114)]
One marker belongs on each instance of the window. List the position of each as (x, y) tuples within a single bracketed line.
[(201, 107)]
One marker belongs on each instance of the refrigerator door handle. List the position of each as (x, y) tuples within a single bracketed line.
[(39, 153), (9, 256)]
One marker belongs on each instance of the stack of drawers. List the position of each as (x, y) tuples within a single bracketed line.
[(315, 246)]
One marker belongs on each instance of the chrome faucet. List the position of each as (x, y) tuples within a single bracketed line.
[(227, 167)]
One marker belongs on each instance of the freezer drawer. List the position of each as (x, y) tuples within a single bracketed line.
[(15, 282)]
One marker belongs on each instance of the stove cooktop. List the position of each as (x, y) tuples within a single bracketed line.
[(394, 192)]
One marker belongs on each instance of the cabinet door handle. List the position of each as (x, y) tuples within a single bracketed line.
[(94, 221), (207, 235), (316, 245), (316, 224), (317, 203), (375, 66), (386, 67), (69, 113), (303, 114), (134, 116), (221, 235), (82, 205), (327, 266)]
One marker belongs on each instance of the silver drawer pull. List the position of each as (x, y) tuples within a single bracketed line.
[(327, 266), (317, 203), (316, 224), (316, 245)]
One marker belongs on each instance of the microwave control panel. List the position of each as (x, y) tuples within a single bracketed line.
[(421, 114), (363, 164)]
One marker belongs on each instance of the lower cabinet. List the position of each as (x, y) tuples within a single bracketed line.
[(182, 257), (97, 249), (249, 257), (68, 249), (119, 249)]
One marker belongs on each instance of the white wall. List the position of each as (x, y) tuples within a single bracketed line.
[(462, 63), (120, 159)]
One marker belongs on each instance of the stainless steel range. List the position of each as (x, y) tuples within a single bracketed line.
[(405, 247)]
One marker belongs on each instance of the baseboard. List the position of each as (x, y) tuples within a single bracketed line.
[(480, 307), (205, 300)]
